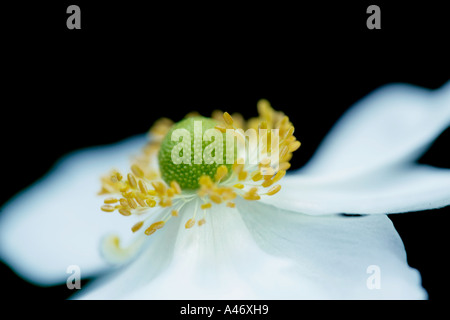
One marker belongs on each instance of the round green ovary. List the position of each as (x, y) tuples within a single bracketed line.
[(187, 175)]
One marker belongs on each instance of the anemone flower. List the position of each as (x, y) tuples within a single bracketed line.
[(211, 231)]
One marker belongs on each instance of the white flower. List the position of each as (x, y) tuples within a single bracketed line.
[(292, 245)]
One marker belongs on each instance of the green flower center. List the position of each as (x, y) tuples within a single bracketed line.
[(190, 150)]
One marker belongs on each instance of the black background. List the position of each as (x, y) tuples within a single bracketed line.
[(131, 64)]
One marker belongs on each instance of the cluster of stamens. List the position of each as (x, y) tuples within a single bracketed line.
[(142, 189)]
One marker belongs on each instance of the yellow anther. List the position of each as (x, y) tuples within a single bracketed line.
[(128, 194), (251, 197), (253, 190), (293, 146), (284, 150), (256, 176), (174, 213), (137, 171), (151, 203), (170, 192), (149, 231), (189, 224), (157, 225), (289, 133), (206, 206), (132, 181), (221, 128), (124, 188), (205, 181), (229, 195), (125, 212), (118, 176), (176, 187), (284, 121), (237, 167), (267, 183), (137, 226), (252, 194), (143, 187), (107, 208), (274, 190), (231, 204), (165, 203), (287, 157), (242, 175), (220, 173), (141, 202), (280, 174), (201, 222), (159, 187), (215, 198), (263, 107), (239, 186), (263, 125), (265, 162), (110, 200), (284, 166), (124, 202), (152, 192), (227, 118), (132, 203)]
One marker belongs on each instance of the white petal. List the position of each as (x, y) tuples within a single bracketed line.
[(395, 123), (260, 254), (389, 190), (57, 221), (333, 253)]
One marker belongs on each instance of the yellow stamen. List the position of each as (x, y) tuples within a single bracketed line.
[(215, 198), (132, 203), (107, 208), (137, 171), (189, 224), (124, 202), (293, 146), (125, 212), (206, 206), (242, 175), (132, 181), (267, 183), (157, 225), (220, 173), (159, 187), (227, 118), (205, 181), (143, 187), (274, 190), (256, 176), (284, 166), (151, 203), (221, 128), (280, 174), (110, 200), (140, 201), (137, 226), (176, 187), (170, 192)]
